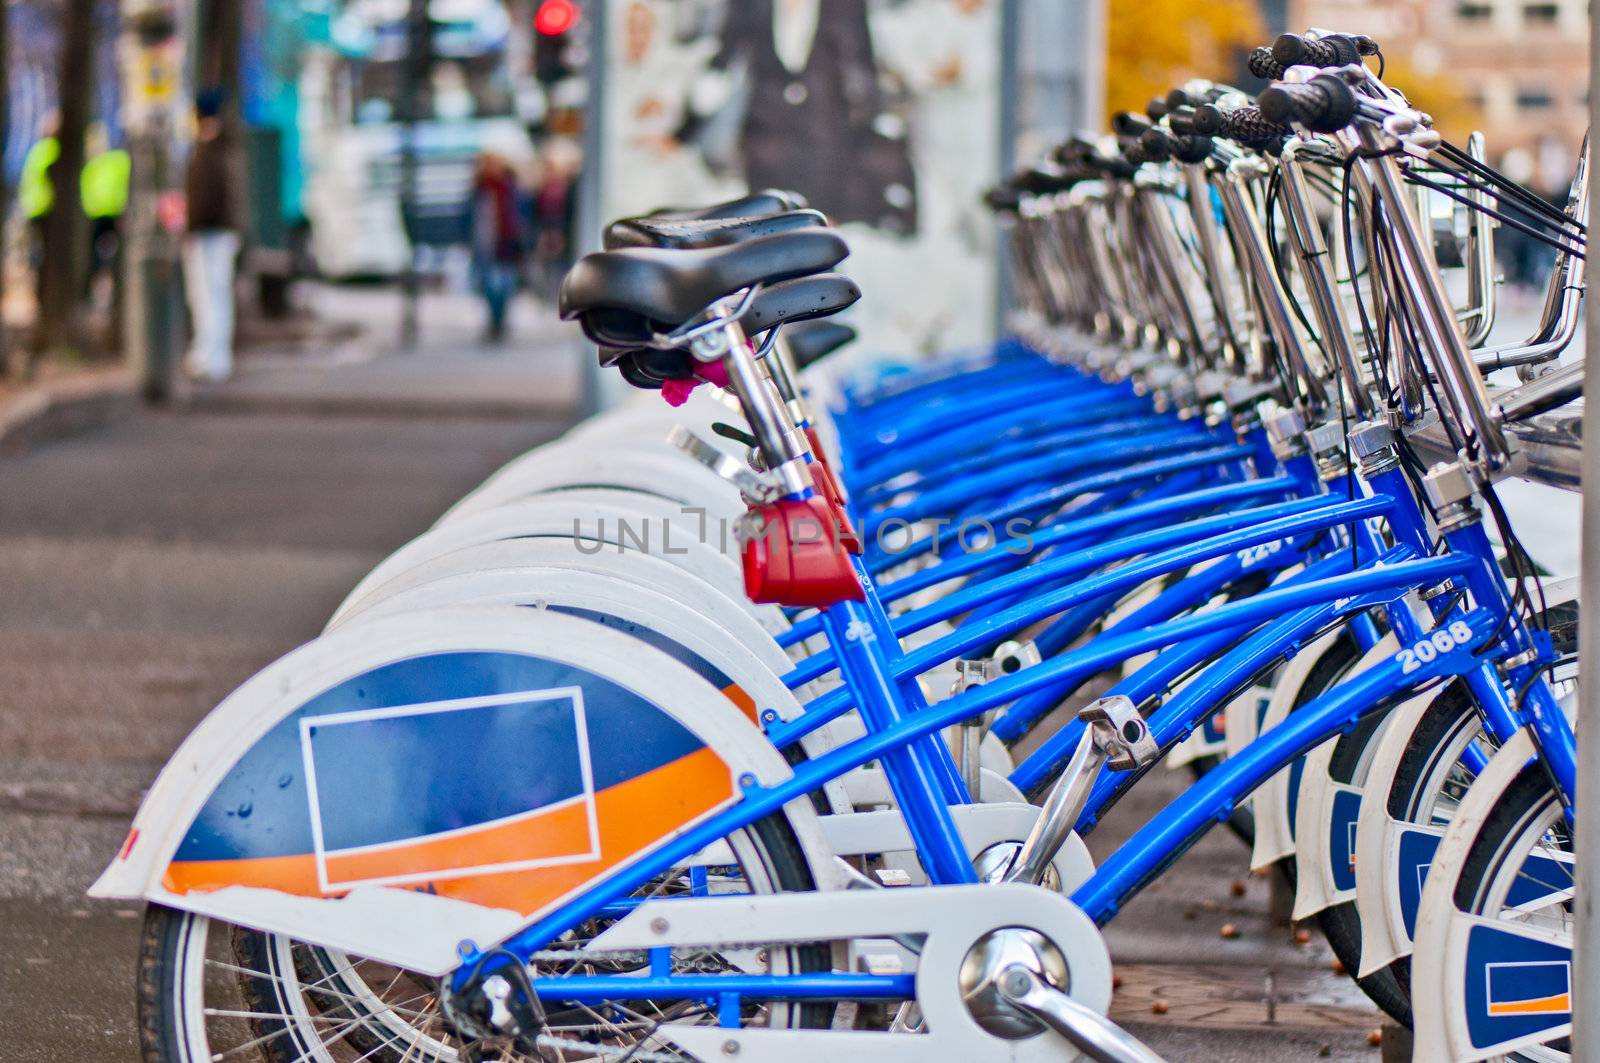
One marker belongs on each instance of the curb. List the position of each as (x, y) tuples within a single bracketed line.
[(66, 408), (223, 401)]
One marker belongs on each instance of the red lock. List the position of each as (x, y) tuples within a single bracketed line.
[(795, 557)]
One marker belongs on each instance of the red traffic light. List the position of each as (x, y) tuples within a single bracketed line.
[(556, 17)]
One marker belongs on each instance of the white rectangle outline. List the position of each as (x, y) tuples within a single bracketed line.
[(585, 768), (1488, 991)]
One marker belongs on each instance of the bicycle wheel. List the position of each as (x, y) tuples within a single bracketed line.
[(1519, 870), (1432, 776), (214, 991)]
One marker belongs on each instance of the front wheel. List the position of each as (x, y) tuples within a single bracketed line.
[(1520, 870)]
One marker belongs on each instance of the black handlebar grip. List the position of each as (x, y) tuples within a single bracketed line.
[(1002, 200), (1336, 49), (1123, 166), (1157, 108), (1129, 124), (1181, 121), (1325, 104), (1074, 149), (1179, 98), (1250, 124), (1156, 144), (1041, 180), (1263, 65), (1192, 149), (1209, 119)]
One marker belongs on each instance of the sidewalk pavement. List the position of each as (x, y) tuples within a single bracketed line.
[(452, 371)]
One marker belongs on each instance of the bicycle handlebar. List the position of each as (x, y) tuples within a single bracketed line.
[(1263, 65), (1247, 124), (1325, 104), (1335, 49)]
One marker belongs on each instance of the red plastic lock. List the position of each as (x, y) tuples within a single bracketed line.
[(797, 557)]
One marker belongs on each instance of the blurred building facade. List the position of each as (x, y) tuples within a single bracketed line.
[(1520, 66)]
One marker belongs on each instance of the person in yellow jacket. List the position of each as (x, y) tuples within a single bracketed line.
[(104, 188), (36, 195)]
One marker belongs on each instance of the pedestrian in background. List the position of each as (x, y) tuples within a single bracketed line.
[(553, 207), (212, 244), (37, 196), (497, 237), (104, 186)]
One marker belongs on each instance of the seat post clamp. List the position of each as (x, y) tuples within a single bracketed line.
[(1120, 732)]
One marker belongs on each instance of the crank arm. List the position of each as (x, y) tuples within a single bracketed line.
[(1089, 1031)]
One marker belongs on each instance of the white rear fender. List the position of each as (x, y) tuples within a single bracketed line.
[(747, 672), (455, 772), (587, 521)]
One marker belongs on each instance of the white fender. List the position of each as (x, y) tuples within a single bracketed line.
[(755, 627), (1472, 960), (652, 423), (749, 674), (1274, 839), (505, 573), (584, 520), (646, 466), (1393, 855), (1380, 864), (1325, 818), (241, 825)]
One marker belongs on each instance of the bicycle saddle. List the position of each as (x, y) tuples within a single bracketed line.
[(767, 201), (649, 231), (624, 297), (786, 303), (814, 340)]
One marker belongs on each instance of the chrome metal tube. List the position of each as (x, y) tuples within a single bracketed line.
[(1434, 314)]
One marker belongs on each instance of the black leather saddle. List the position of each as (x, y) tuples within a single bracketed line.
[(766, 201), (811, 341), (624, 297), (793, 303), (650, 231)]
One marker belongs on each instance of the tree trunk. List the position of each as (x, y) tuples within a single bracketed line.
[(220, 29), (66, 230), (5, 187)]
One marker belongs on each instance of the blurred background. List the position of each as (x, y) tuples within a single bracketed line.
[(417, 174), (276, 289)]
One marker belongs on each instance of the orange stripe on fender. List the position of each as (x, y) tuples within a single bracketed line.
[(747, 705), (556, 833), (632, 815), (1552, 1005)]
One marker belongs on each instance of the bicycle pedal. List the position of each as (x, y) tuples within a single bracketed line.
[(1120, 732)]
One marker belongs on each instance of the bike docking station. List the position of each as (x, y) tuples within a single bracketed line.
[(768, 724)]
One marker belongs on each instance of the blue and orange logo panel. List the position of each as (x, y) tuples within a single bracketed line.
[(1516, 985), (1538, 987), (500, 779)]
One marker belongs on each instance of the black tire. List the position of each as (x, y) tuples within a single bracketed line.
[(167, 935)]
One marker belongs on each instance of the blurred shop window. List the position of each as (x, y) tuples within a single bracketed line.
[(1541, 14), (1474, 12), (1533, 99)]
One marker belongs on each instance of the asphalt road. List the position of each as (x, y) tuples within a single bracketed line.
[(145, 570)]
